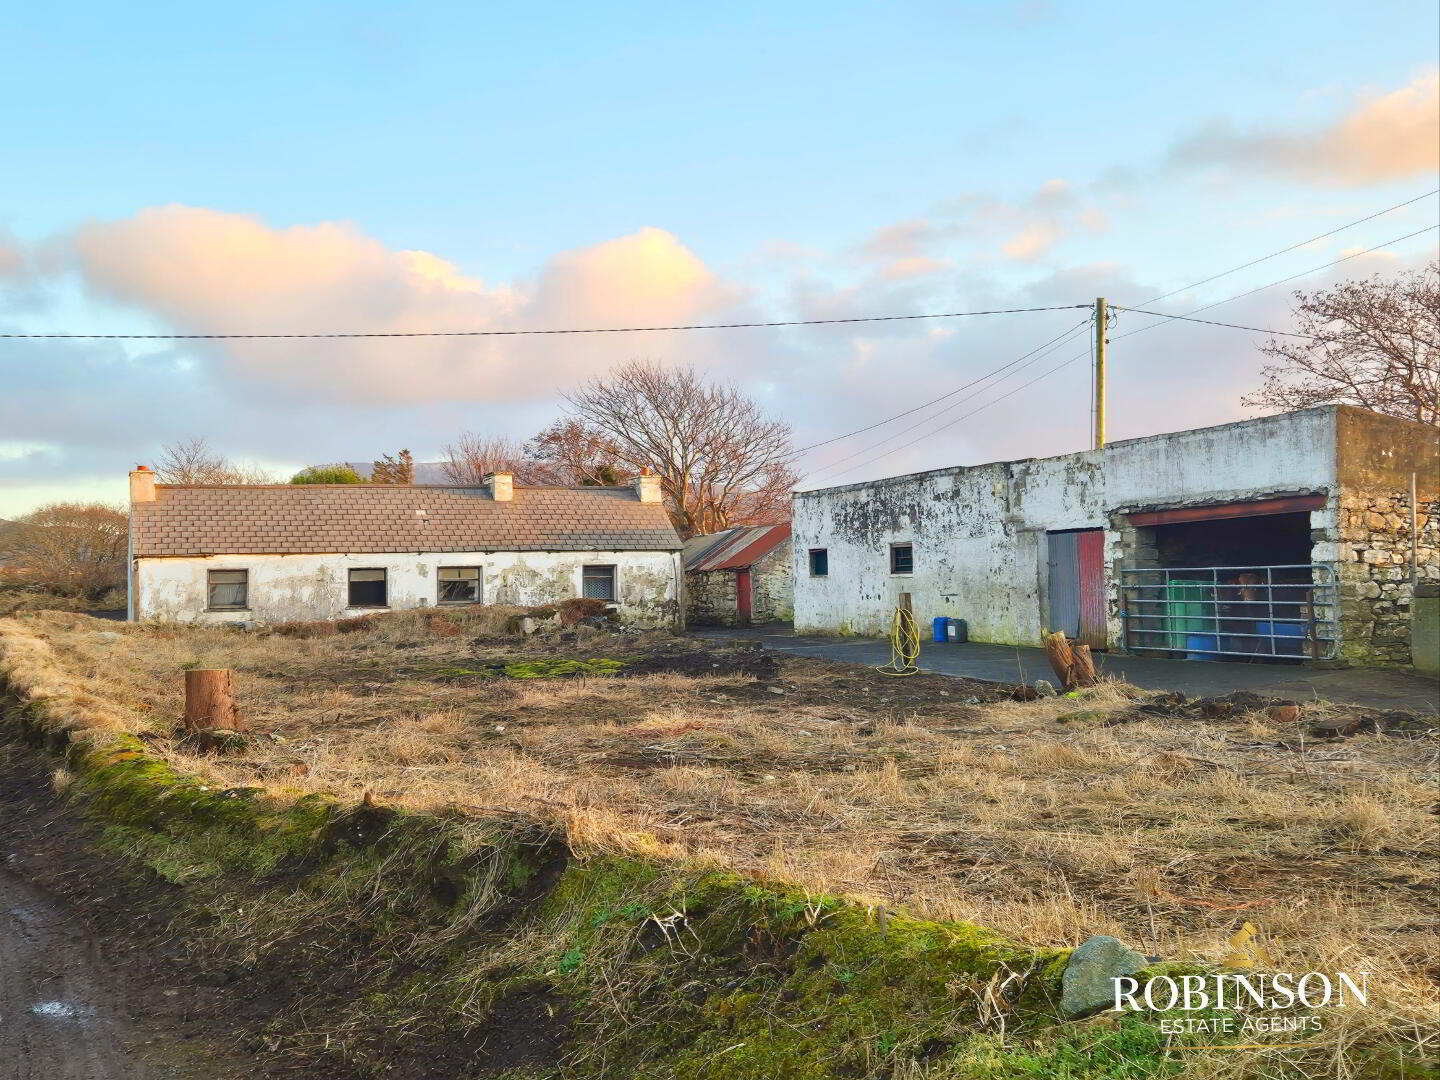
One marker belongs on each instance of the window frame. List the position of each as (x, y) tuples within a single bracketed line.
[(909, 546), (614, 569), (440, 600), (824, 554), (210, 604), (350, 585)]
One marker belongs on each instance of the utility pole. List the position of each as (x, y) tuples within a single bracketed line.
[(1101, 318)]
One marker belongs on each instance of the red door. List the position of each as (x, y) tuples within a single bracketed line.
[(1090, 577), (743, 598)]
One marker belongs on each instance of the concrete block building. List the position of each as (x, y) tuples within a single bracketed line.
[(1287, 536), (281, 552)]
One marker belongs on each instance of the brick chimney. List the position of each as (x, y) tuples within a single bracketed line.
[(501, 485), (647, 486), (142, 485)]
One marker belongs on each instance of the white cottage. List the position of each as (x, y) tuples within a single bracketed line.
[(278, 552)]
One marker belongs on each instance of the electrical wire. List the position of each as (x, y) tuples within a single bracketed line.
[(1035, 355), (932, 401), (524, 333), (1283, 251), (1212, 322)]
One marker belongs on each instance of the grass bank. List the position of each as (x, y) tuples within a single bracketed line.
[(453, 937)]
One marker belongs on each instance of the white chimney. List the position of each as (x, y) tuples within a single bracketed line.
[(142, 485), (647, 486), (501, 485)]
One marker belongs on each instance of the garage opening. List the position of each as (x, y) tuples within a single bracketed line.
[(1232, 581)]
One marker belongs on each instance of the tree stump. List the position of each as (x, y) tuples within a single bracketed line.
[(1082, 667), (1057, 648), (210, 700)]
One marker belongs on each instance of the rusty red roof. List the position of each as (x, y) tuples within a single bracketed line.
[(733, 549), (294, 519)]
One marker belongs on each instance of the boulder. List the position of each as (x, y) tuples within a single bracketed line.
[(1088, 983), (1044, 689)]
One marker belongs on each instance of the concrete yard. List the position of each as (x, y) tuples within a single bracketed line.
[(1373, 687)]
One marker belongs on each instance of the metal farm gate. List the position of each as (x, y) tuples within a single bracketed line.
[(1211, 612)]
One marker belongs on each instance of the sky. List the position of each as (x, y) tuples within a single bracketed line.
[(366, 167)]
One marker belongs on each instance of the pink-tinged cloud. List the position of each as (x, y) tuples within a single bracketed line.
[(211, 272), (1390, 137)]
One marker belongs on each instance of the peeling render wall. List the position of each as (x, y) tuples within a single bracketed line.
[(979, 533), (290, 587)]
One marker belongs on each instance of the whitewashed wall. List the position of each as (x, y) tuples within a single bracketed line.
[(289, 587), (979, 533)]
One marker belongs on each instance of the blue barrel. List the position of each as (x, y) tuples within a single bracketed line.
[(941, 628), (1201, 641)]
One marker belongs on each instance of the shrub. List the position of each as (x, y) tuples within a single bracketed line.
[(327, 474)]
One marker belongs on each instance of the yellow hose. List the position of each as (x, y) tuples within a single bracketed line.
[(904, 645)]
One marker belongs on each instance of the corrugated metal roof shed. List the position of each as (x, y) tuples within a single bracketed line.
[(733, 549)]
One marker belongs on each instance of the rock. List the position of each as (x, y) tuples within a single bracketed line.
[(1283, 714), (1044, 689), (775, 689), (1088, 983), (108, 635)]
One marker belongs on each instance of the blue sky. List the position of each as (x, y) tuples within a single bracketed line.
[(774, 161)]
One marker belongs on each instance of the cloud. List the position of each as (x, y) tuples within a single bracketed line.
[(210, 272), (1384, 138)]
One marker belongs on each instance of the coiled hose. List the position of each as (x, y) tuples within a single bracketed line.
[(904, 644)]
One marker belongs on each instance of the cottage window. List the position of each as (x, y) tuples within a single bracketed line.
[(459, 585), (367, 588), (902, 559), (819, 562), (598, 582), (227, 590)]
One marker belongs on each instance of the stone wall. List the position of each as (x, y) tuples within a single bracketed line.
[(710, 594), (774, 586), (710, 598), (1373, 569)]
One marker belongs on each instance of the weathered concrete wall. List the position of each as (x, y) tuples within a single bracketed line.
[(710, 595), (979, 533), (290, 587)]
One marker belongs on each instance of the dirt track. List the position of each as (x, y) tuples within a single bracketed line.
[(58, 1016)]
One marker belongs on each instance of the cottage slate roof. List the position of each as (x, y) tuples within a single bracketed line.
[(733, 549), (295, 519)]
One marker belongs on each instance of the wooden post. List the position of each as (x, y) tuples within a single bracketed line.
[(905, 603), (1057, 648), (1102, 317), (210, 700), (1082, 667)]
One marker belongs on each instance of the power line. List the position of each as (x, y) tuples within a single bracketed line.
[(932, 401), (1037, 354), (1281, 281), (972, 412), (523, 333), (1292, 247), (1159, 321), (1212, 322)]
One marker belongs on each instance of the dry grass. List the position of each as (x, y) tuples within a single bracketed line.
[(1165, 832)]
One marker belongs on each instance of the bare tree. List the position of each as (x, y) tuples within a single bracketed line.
[(73, 548), (191, 461), (471, 457), (581, 455), (399, 469), (720, 459), (1373, 343)]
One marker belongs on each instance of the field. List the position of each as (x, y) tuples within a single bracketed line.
[(1118, 812)]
